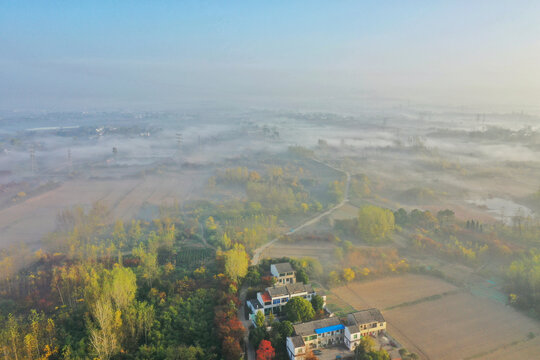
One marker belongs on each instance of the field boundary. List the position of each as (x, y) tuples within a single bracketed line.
[(503, 346), (424, 299)]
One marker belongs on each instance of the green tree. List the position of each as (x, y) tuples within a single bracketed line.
[(259, 319), (285, 329), (375, 224), (299, 309), (122, 286), (253, 276), (302, 276), (184, 352), (317, 302)]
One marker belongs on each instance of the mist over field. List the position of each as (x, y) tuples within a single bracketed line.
[(269, 181)]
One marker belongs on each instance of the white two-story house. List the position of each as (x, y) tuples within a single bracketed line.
[(363, 323), (284, 273), (273, 299)]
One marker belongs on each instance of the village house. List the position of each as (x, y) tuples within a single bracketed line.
[(314, 334), (284, 273), (333, 331), (363, 323), (273, 299)]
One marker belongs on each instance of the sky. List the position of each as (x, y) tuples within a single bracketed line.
[(80, 55)]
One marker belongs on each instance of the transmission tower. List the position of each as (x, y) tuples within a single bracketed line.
[(179, 141), (70, 161), (33, 159)]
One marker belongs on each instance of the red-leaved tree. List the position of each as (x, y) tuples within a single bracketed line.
[(265, 351)]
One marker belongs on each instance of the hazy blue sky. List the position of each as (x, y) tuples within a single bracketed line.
[(69, 54)]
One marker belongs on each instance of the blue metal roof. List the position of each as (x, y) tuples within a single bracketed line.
[(329, 328)]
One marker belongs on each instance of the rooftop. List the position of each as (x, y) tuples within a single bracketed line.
[(365, 317), (283, 268), (353, 329), (290, 289), (297, 341), (309, 328), (277, 291), (255, 304), (266, 297), (299, 288)]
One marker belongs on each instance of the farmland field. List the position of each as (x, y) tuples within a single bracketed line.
[(321, 250), (439, 321), (28, 221)]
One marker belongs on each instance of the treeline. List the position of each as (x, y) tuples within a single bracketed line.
[(123, 292), (276, 191), (441, 234), (364, 263), (523, 282)]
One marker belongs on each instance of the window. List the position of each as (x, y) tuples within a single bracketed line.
[(355, 336), (275, 301)]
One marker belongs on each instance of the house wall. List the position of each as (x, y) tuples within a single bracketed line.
[(351, 342), (323, 340), (295, 353)]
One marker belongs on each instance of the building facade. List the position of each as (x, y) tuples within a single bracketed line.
[(283, 273), (274, 299), (368, 322), (334, 331), (313, 335)]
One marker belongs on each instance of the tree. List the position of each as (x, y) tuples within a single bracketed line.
[(401, 217), (103, 336), (122, 286), (265, 351), (185, 353), (149, 264), (231, 348), (375, 224), (259, 319), (299, 309), (445, 217), (236, 262), (348, 274), (257, 335), (285, 329), (253, 276), (317, 302), (302, 276)]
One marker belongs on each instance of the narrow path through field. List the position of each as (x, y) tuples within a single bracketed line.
[(258, 251)]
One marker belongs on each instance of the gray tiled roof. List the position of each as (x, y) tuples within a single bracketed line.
[(298, 288), (308, 328), (297, 341), (290, 289), (365, 317), (283, 268), (353, 329), (277, 291)]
